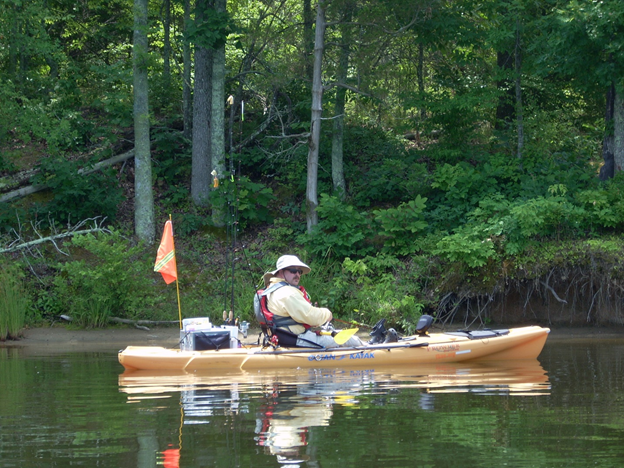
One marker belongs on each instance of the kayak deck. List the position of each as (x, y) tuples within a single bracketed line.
[(513, 344)]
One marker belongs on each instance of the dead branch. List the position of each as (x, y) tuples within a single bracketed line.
[(19, 244)]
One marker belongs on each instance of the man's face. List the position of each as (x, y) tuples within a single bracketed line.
[(292, 275)]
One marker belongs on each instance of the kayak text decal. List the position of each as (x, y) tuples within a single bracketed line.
[(333, 357), (362, 355), (325, 357), (446, 348)]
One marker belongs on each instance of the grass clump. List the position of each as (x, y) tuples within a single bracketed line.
[(13, 303)]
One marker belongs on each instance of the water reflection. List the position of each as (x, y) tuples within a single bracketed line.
[(286, 404)]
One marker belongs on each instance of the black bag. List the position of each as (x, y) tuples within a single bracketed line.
[(211, 340)]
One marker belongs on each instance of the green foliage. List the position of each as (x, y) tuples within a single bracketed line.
[(341, 230), (282, 235), (367, 290), (13, 301), (75, 196), (604, 205), (171, 156), (250, 201), (111, 279), (469, 245), (401, 225), (212, 30)]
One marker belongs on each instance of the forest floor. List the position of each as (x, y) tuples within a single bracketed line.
[(62, 339)]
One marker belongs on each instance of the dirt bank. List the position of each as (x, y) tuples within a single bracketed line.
[(62, 339)]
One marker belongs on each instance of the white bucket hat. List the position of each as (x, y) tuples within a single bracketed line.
[(285, 261)]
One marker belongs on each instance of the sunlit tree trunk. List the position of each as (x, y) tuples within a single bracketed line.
[(202, 96), (143, 195), (217, 119), (315, 123)]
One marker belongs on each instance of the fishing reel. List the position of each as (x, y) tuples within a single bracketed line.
[(378, 333)]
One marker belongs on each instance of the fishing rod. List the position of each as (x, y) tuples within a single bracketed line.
[(232, 224)]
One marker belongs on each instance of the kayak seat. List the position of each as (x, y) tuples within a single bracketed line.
[(478, 334), (285, 337)]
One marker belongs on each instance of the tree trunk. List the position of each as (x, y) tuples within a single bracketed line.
[(519, 115), (308, 39), (338, 179), (420, 72), (505, 111), (201, 160), (618, 131), (143, 195), (217, 119), (607, 171), (315, 121), (167, 45), (187, 95)]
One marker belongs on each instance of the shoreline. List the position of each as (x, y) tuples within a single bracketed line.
[(63, 339)]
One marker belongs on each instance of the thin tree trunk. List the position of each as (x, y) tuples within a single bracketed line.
[(13, 44), (187, 95), (519, 115), (217, 120), (338, 179), (505, 111), (308, 39), (607, 171), (143, 194), (201, 161), (420, 72), (167, 45), (315, 123)]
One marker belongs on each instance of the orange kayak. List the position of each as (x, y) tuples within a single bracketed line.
[(453, 347)]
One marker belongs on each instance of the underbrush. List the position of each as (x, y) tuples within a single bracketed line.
[(13, 302)]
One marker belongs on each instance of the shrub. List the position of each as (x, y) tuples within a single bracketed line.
[(341, 230), (77, 197), (368, 289), (112, 278), (401, 225), (249, 199)]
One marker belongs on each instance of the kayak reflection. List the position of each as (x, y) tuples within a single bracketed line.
[(286, 404)]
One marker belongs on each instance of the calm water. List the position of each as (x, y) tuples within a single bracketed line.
[(78, 409)]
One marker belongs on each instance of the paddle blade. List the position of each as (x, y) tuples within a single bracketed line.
[(343, 335)]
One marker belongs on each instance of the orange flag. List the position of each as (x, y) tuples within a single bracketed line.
[(165, 259)]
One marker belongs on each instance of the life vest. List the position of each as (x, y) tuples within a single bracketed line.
[(265, 317)]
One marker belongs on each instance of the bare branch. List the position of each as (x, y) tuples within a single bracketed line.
[(19, 244)]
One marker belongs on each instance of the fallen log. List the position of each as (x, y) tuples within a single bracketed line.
[(141, 323), (30, 189)]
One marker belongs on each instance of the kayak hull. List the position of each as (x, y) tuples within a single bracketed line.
[(517, 343)]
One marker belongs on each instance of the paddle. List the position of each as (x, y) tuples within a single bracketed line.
[(342, 336)]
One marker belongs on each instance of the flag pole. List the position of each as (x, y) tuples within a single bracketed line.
[(177, 285)]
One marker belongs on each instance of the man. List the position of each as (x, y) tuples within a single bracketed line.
[(293, 301)]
